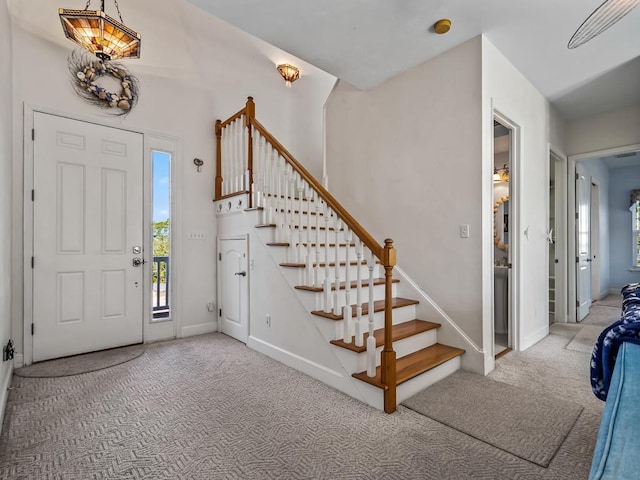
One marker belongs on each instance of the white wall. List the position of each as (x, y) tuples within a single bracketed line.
[(203, 72), (608, 130), (621, 182), (506, 90), (405, 159), (598, 171), (5, 196)]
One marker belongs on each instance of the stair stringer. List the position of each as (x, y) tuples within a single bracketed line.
[(475, 359), (296, 337)]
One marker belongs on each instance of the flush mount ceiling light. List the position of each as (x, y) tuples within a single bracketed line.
[(289, 73), (602, 18), (442, 26), (102, 35)]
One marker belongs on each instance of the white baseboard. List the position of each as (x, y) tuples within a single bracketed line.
[(18, 361), (5, 383), (200, 329), (315, 370), (534, 338)]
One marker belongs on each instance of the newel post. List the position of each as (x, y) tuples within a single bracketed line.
[(218, 192), (388, 356), (249, 116)]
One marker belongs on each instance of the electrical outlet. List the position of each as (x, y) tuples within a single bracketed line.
[(211, 307), (268, 320), (464, 231)]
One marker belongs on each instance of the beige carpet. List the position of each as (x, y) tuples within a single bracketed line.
[(529, 425), (208, 408), (601, 315), (611, 300), (78, 364), (585, 339)]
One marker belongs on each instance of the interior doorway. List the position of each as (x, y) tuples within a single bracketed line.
[(502, 227), (556, 238)]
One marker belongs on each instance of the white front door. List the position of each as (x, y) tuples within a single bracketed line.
[(87, 224), (583, 270), (233, 287)]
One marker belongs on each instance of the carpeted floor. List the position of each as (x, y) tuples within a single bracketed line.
[(207, 407), (611, 300)]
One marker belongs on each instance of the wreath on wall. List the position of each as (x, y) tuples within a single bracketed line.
[(86, 72)]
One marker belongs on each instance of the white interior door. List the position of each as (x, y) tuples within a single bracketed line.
[(594, 249), (583, 236), (233, 287), (87, 215)]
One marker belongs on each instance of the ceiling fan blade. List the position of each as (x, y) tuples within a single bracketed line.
[(602, 18)]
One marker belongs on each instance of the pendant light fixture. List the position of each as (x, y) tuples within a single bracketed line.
[(102, 35)]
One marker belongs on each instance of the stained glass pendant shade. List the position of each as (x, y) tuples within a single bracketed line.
[(102, 35)]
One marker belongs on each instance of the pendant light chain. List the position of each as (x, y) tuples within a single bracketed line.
[(86, 7), (118, 9)]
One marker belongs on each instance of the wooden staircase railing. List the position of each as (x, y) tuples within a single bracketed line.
[(249, 160)]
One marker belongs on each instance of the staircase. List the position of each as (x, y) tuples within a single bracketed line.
[(337, 271)]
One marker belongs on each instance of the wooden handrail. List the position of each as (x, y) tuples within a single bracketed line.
[(233, 117), (345, 216)]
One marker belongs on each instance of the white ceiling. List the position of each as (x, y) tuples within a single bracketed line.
[(368, 41), (622, 161)]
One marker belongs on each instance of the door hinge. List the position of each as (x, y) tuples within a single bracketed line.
[(33, 262), (577, 259), (220, 312), (577, 303), (33, 134), (577, 216), (33, 195), (33, 328), (577, 176), (220, 256)]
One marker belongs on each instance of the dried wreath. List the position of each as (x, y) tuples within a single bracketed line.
[(86, 74)]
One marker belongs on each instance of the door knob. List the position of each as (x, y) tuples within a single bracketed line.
[(242, 274), (136, 262)]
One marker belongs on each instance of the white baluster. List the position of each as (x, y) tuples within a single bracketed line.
[(234, 157), (327, 269), (310, 198), (279, 208), (347, 286), (258, 173), (223, 163), (244, 162), (358, 325), (371, 341), (299, 254), (316, 276), (336, 266)]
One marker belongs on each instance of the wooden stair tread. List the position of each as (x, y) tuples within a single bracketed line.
[(296, 227), (399, 331), (378, 306), (321, 264), (304, 244), (354, 284), (414, 364)]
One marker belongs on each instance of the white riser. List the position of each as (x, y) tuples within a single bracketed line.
[(300, 276), (333, 329), (357, 362), (315, 300), (375, 396)]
